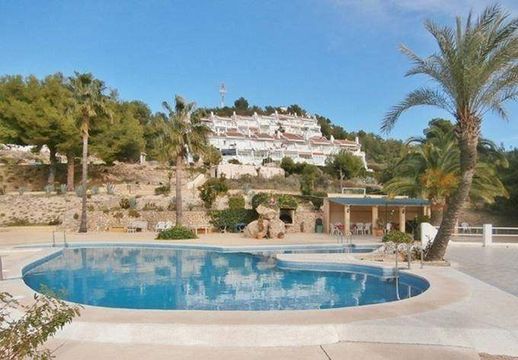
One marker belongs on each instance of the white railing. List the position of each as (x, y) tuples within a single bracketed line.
[(486, 233), (478, 231)]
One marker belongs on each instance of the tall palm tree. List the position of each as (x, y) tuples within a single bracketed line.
[(180, 136), (475, 71), (91, 104), (430, 169)]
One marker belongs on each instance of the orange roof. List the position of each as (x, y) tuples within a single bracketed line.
[(292, 137)]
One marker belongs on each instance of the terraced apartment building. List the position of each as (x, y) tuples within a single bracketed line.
[(251, 139)]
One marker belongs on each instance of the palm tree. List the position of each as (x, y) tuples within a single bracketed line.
[(475, 72), (430, 169), (91, 104), (180, 136)]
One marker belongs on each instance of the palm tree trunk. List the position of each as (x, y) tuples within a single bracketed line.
[(179, 208), (468, 140), (437, 210), (52, 168), (70, 171), (84, 177)]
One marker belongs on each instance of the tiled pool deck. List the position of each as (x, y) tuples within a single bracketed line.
[(458, 317)]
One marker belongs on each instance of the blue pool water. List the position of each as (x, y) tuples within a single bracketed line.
[(187, 279)]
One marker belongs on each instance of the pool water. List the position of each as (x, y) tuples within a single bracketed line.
[(185, 279)]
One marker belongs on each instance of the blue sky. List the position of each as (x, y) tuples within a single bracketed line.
[(338, 58)]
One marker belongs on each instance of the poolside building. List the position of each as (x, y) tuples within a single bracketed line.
[(361, 213)]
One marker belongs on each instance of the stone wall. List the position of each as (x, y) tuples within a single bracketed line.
[(104, 212)]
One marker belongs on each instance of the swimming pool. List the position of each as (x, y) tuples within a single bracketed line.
[(195, 279)]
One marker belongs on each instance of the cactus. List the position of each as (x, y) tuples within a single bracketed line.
[(21, 190), (49, 189), (95, 190), (63, 189), (110, 189), (132, 203), (80, 190)]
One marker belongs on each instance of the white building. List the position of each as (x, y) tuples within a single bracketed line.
[(250, 139)]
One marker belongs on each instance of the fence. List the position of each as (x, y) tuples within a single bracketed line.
[(486, 234)]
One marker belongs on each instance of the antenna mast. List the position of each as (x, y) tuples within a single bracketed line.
[(222, 92)]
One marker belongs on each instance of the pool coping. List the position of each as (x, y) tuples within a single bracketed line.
[(284, 327)]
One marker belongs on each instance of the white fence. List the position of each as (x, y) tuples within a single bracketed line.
[(487, 233)]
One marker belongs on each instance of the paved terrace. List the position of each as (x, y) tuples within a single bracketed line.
[(457, 318)]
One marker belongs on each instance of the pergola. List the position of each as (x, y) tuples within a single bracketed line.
[(349, 210)]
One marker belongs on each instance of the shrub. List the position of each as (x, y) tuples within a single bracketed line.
[(133, 213), (234, 161), (110, 189), (286, 201), (76, 216), (236, 202), (118, 215), (128, 203), (162, 190), (211, 189), (23, 336), (172, 205), (397, 237), (229, 218), (55, 221), (49, 189), (176, 233), (133, 202), (21, 190), (95, 190), (79, 190), (151, 206), (62, 190), (316, 199), (288, 165), (260, 198)]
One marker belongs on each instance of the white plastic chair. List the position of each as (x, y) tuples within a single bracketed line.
[(360, 229), (465, 227), (160, 226), (368, 228)]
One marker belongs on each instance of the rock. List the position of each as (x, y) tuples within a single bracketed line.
[(277, 229), (267, 213), (257, 229)]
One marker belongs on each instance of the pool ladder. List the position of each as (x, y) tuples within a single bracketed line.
[(65, 243), (346, 240)]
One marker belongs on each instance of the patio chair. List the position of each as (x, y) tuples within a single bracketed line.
[(464, 227), (368, 228), (360, 229), (160, 226)]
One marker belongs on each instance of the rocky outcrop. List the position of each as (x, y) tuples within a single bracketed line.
[(268, 225)]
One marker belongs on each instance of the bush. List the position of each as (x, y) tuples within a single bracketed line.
[(234, 161), (260, 198), (176, 233), (124, 203), (80, 191), (236, 202), (162, 190), (211, 189), (49, 189), (286, 201), (288, 165), (110, 189), (128, 203), (133, 213), (316, 199), (229, 218), (397, 237)]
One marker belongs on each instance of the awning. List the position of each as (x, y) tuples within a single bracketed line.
[(376, 201)]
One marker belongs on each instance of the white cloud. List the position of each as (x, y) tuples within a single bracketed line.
[(390, 9)]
